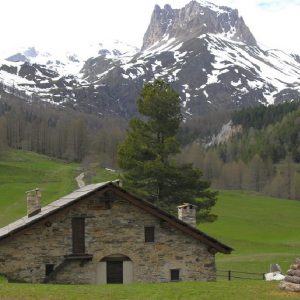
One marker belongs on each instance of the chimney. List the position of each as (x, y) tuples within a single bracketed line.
[(118, 182), (187, 213), (33, 202)]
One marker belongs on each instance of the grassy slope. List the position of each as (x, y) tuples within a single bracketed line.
[(262, 230), (21, 171), (101, 175)]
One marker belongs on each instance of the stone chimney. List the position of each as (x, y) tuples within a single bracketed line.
[(33, 202), (187, 213)]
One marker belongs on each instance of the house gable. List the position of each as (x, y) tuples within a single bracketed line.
[(113, 222), (99, 189)]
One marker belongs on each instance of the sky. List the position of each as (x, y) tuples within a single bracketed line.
[(71, 24)]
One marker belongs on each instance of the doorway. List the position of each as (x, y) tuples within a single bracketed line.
[(114, 272), (116, 268)]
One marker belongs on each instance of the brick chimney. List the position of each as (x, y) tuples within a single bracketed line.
[(33, 202), (187, 213)]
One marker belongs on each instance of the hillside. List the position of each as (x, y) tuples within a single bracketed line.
[(262, 230), (270, 132), (21, 171), (258, 150)]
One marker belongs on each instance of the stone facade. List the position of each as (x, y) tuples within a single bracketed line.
[(117, 229)]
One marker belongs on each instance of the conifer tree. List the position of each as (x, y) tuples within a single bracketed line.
[(147, 155)]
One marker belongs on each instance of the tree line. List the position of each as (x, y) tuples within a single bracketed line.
[(261, 116), (59, 133), (264, 159)]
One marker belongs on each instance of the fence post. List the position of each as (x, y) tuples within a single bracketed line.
[(229, 275), (263, 276)]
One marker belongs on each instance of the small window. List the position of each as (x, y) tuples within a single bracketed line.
[(149, 234), (175, 275), (49, 268)]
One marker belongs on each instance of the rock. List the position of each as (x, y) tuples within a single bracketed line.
[(196, 19), (293, 273), (288, 286), (297, 261), (295, 267), (292, 279)]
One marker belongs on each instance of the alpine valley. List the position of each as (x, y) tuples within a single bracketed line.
[(206, 52)]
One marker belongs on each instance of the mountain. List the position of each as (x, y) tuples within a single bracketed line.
[(58, 78), (205, 51), (210, 56), (193, 20)]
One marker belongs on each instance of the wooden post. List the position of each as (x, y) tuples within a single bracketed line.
[(263, 274), (229, 275)]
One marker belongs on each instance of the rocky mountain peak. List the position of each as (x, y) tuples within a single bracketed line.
[(296, 57), (194, 19), (31, 52), (23, 56), (205, 51), (161, 20)]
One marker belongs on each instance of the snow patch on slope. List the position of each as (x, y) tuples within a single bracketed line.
[(275, 69)]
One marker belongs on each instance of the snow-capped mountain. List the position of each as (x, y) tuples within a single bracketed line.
[(205, 51), (57, 77), (63, 63), (210, 56)]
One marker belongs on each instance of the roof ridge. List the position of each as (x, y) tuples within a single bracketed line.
[(78, 194)]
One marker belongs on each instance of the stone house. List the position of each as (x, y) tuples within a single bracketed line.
[(103, 234)]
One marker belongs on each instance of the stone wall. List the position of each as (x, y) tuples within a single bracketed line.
[(109, 231)]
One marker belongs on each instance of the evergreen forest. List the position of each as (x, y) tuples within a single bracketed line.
[(261, 153)]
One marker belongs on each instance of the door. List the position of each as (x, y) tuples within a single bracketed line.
[(78, 235), (114, 271)]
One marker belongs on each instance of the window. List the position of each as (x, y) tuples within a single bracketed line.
[(175, 274), (49, 268), (78, 235), (149, 234)]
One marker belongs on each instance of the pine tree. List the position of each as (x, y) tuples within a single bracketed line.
[(147, 155)]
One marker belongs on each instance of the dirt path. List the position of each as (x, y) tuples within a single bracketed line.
[(79, 180)]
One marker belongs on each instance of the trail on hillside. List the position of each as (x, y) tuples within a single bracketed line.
[(79, 180)]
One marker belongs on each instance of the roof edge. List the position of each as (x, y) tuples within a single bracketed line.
[(139, 202), (210, 241)]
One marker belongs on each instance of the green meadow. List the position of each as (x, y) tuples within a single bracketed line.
[(262, 230), (21, 171)]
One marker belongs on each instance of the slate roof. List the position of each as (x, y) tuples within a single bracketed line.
[(50, 208), (92, 188)]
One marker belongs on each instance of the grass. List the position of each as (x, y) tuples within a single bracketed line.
[(173, 291), (262, 230), (101, 175), (21, 171)]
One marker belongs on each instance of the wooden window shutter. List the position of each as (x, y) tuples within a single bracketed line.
[(149, 234), (78, 235)]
